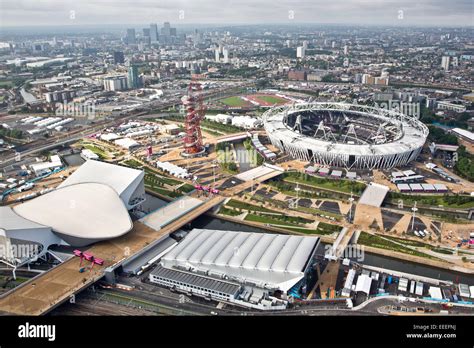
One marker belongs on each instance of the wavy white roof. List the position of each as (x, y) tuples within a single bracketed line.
[(87, 212), (271, 260), (9, 220), (118, 177)]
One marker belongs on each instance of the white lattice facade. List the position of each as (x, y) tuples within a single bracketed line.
[(400, 147)]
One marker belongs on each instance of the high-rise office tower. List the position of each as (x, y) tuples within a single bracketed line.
[(153, 33), (225, 52), (300, 52), (445, 63), (133, 78), (455, 61), (131, 38), (118, 57), (165, 33), (146, 40)]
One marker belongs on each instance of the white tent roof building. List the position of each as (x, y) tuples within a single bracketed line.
[(269, 261)]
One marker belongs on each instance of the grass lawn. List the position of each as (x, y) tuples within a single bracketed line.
[(413, 243), (460, 202), (234, 101), (247, 206), (315, 211), (293, 219), (419, 244), (328, 228), (305, 230), (163, 191), (442, 251), (271, 99), (154, 174), (378, 242), (230, 212), (133, 164), (345, 186), (6, 84), (186, 188), (98, 151), (268, 220)]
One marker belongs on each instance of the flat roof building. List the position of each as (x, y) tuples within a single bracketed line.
[(374, 194), (465, 134)]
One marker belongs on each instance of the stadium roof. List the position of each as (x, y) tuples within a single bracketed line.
[(81, 214), (414, 132), (117, 177), (267, 260), (374, 195)]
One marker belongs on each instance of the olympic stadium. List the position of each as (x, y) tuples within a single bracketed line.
[(345, 135)]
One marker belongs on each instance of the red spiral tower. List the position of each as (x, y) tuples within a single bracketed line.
[(195, 111)]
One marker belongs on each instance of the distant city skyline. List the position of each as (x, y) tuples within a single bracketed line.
[(16, 13)]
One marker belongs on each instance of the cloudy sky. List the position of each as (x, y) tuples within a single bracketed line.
[(374, 12)]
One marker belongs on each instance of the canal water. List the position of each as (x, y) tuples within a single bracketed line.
[(369, 259)]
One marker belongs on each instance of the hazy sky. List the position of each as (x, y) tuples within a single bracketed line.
[(97, 12)]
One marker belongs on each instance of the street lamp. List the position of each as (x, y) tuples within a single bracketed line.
[(351, 200), (414, 209), (297, 189)]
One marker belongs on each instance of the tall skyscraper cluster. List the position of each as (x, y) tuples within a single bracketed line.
[(152, 35)]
